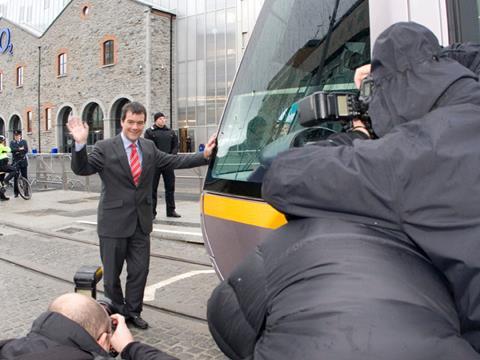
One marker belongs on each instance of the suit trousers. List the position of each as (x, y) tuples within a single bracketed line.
[(135, 250), (169, 184)]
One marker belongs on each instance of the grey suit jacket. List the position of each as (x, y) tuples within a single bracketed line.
[(122, 204)]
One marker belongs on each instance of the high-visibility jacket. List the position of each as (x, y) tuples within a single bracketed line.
[(4, 151)]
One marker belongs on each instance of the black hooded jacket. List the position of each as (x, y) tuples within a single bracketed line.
[(54, 337), (383, 262)]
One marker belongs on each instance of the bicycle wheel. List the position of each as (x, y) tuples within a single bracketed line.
[(24, 188)]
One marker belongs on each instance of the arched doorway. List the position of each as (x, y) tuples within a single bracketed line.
[(2, 126), (15, 124), (66, 141), (93, 116), (116, 113)]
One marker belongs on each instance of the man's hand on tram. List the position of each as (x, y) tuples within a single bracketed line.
[(211, 144)]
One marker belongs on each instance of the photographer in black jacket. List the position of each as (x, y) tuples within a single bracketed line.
[(165, 140), (76, 327), (380, 260)]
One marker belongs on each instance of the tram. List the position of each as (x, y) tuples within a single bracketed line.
[(298, 47)]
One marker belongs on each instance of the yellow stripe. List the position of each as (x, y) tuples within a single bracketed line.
[(250, 212)]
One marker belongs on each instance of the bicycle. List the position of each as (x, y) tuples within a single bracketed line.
[(24, 187)]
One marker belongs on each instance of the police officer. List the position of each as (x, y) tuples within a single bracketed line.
[(19, 149), (165, 140)]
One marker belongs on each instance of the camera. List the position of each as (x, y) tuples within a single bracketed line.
[(324, 106), (86, 279)]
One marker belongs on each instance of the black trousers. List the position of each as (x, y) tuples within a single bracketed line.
[(135, 251), (169, 184), (10, 172), (23, 171)]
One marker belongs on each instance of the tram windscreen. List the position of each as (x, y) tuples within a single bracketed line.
[(294, 51)]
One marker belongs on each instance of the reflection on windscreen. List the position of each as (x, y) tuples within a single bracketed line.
[(289, 56)]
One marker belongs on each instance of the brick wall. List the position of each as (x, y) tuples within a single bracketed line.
[(87, 80)]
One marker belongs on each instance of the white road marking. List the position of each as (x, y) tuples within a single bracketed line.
[(177, 232), (86, 222), (155, 230), (149, 294)]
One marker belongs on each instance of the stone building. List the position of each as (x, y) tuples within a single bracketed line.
[(96, 56)]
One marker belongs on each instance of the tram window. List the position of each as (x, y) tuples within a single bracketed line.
[(289, 56), (464, 21)]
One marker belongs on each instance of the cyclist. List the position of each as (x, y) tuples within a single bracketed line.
[(6, 168)]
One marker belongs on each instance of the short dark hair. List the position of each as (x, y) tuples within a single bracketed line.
[(134, 107), (17, 132), (158, 115)]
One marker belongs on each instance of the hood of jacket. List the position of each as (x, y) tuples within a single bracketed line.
[(410, 75), (53, 328)]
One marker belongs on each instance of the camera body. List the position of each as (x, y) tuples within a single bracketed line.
[(344, 106)]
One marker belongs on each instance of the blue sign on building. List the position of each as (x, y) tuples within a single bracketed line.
[(6, 41)]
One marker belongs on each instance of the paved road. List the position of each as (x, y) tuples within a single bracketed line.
[(46, 239)]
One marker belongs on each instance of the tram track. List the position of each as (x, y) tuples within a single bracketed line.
[(153, 254), (36, 270)]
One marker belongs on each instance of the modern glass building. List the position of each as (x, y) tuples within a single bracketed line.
[(210, 38), (36, 14)]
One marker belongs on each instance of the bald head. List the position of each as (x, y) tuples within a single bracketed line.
[(84, 311)]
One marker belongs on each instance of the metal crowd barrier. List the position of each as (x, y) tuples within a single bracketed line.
[(52, 171)]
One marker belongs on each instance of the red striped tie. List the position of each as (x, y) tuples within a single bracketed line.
[(135, 164)]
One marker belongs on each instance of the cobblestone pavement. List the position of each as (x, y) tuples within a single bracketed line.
[(62, 258), (24, 294)]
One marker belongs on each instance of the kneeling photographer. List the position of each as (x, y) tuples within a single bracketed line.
[(380, 257), (76, 327)]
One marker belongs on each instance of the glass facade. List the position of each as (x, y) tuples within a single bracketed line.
[(37, 14), (211, 36)]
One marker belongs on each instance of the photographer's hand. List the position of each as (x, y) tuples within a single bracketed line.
[(122, 335), (358, 125), (361, 73)]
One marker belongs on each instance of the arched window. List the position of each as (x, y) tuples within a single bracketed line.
[(64, 134), (93, 115), (116, 113), (15, 124)]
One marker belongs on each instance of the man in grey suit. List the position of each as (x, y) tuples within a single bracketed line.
[(126, 164)]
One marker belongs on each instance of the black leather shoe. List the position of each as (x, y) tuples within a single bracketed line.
[(16, 195), (174, 214), (138, 322), (4, 198)]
